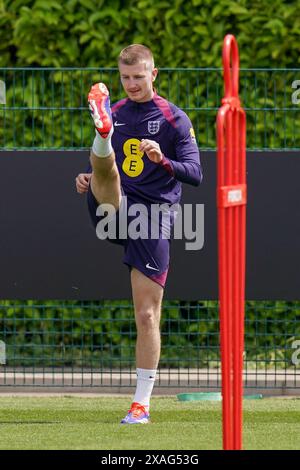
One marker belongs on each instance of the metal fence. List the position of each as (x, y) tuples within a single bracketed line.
[(91, 344), (46, 108)]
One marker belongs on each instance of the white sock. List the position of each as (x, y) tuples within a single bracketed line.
[(102, 147), (144, 386)]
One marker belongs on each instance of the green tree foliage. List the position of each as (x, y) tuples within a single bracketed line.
[(91, 33), (181, 33)]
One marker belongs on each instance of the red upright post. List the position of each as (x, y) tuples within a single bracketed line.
[(231, 202)]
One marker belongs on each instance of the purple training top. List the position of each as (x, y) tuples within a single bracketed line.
[(168, 125), (146, 182)]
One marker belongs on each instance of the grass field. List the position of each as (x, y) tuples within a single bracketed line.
[(93, 423)]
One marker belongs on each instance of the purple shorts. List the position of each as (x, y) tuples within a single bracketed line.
[(149, 255)]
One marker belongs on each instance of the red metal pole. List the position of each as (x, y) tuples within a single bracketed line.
[(231, 202)]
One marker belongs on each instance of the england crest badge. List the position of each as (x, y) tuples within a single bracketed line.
[(153, 127)]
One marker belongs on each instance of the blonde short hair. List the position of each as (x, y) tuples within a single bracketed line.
[(136, 53)]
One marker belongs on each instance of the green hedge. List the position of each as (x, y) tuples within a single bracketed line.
[(48, 109), (186, 34)]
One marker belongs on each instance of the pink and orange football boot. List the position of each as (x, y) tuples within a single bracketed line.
[(99, 105)]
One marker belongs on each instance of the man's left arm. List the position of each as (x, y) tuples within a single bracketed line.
[(186, 167)]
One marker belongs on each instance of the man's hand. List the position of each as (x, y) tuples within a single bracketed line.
[(152, 150), (82, 182)]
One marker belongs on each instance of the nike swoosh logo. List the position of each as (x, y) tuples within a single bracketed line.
[(150, 267), (119, 124)]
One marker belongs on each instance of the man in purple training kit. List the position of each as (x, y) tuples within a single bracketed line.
[(144, 148)]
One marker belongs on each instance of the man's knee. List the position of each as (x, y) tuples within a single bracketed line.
[(106, 173), (147, 318)]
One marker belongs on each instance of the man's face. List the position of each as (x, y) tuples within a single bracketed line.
[(137, 81)]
